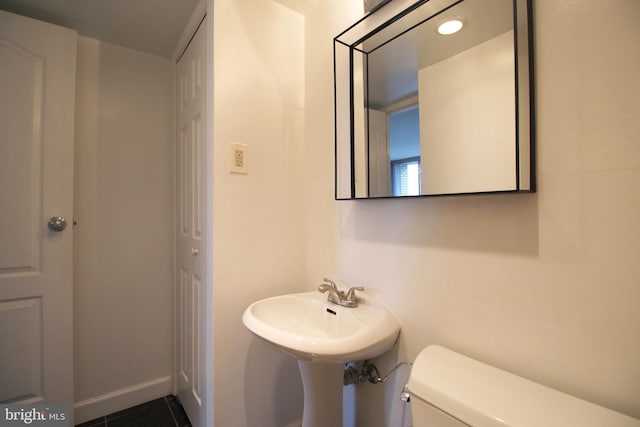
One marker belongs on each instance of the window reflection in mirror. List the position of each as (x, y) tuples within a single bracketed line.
[(394, 151), (404, 151)]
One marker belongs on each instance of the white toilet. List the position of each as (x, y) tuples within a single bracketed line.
[(447, 389)]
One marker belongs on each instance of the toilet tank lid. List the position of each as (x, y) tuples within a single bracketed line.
[(483, 396)]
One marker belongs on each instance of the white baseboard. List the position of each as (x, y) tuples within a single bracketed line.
[(123, 398)]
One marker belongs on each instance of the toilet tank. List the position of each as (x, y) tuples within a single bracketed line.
[(448, 389)]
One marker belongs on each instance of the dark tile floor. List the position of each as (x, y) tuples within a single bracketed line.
[(163, 412)]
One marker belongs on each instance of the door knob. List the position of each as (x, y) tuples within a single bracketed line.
[(194, 251), (57, 224)]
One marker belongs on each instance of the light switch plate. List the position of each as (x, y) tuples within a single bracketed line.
[(238, 159)]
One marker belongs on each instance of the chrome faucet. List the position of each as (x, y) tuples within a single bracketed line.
[(337, 296)]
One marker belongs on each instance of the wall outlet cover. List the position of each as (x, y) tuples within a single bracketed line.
[(239, 159)]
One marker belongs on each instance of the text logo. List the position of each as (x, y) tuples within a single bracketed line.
[(34, 415)]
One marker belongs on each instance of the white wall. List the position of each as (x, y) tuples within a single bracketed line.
[(123, 286), (542, 285), (464, 99), (257, 218)]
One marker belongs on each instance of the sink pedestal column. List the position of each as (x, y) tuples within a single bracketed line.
[(322, 383)]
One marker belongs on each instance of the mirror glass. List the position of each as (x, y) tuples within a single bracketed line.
[(420, 113)]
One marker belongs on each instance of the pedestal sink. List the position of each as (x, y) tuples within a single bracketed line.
[(322, 336)]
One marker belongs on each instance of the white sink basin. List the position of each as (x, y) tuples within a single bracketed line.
[(322, 336), (310, 328)]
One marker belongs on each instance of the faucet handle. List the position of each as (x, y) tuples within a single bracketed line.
[(331, 283), (351, 293)]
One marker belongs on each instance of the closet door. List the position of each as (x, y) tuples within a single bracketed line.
[(191, 256), (37, 86)]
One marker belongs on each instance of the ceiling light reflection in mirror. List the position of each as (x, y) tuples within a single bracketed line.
[(450, 26)]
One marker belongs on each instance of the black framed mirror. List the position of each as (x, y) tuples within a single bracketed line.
[(422, 113)]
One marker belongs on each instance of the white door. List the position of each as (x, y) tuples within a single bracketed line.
[(37, 86), (190, 230), (379, 160)]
